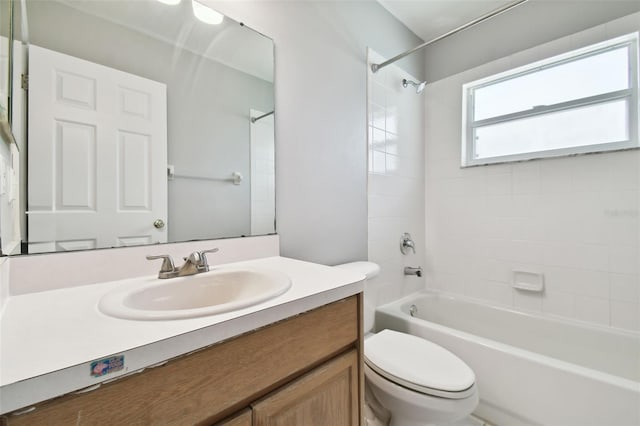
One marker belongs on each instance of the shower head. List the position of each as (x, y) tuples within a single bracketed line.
[(419, 86)]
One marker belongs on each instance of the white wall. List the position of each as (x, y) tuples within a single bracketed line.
[(321, 152), (263, 174), (526, 26), (574, 219), (396, 182), (52, 271), (9, 197), (321, 157), (9, 165), (4, 282)]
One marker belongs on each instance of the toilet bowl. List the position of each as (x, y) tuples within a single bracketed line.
[(418, 382)]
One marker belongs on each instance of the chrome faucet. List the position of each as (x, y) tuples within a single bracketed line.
[(407, 243), (408, 270), (195, 263)]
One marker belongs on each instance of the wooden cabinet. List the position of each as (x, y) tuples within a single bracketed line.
[(327, 396), (244, 418), (307, 367)]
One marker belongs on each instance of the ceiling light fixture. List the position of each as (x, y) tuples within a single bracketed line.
[(206, 14), (170, 2)]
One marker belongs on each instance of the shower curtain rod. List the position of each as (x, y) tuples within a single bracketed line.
[(376, 67), (254, 119)]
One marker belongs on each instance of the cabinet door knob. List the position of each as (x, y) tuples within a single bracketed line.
[(159, 223)]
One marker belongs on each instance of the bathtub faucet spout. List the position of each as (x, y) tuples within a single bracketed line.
[(408, 270)]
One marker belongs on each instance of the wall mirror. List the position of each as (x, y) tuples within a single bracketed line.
[(5, 24), (144, 122)]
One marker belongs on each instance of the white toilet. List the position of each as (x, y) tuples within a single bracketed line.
[(418, 382)]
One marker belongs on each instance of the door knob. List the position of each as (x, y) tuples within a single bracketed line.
[(159, 223)]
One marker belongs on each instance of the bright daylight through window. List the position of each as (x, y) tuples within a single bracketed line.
[(579, 102)]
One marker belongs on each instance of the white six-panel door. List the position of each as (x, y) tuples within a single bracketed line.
[(97, 155)]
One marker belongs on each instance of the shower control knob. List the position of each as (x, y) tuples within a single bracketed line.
[(158, 223), (406, 243)]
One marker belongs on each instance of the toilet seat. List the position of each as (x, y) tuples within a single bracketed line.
[(417, 364)]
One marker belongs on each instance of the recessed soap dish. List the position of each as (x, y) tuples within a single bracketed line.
[(528, 281)]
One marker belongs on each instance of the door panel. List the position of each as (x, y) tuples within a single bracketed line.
[(242, 419), (327, 396), (97, 154), (75, 151), (134, 168)]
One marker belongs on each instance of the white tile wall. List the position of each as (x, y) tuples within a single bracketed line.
[(574, 219), (396, 181)]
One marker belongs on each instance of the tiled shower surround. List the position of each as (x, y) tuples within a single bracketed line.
[(396, 181), (573, 219)]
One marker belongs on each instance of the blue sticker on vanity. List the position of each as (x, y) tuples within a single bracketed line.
[(108, 365)]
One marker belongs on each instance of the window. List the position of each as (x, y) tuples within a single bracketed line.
[(579, 102)]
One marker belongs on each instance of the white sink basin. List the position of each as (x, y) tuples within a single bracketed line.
[(214, 292)]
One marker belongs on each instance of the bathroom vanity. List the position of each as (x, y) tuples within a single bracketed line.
[(286, 370), (294, 357)]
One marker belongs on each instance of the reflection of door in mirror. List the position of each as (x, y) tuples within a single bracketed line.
[(262, 172), (97, 163)]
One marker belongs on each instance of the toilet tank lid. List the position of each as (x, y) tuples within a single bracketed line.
[(369, 269)]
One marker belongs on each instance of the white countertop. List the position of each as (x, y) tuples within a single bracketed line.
[(48, 339)]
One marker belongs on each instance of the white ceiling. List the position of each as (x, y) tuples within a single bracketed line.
[(429, 19)]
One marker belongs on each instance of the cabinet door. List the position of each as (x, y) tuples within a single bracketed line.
[(327, 396), (242, 419)]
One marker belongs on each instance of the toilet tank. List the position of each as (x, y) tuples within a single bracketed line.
[(370, 270)]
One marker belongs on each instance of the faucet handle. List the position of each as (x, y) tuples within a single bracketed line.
[(199, 259), (406, 243), (203, 256), (167, 267)]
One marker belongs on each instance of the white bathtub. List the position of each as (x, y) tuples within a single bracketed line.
[(530, 369)]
